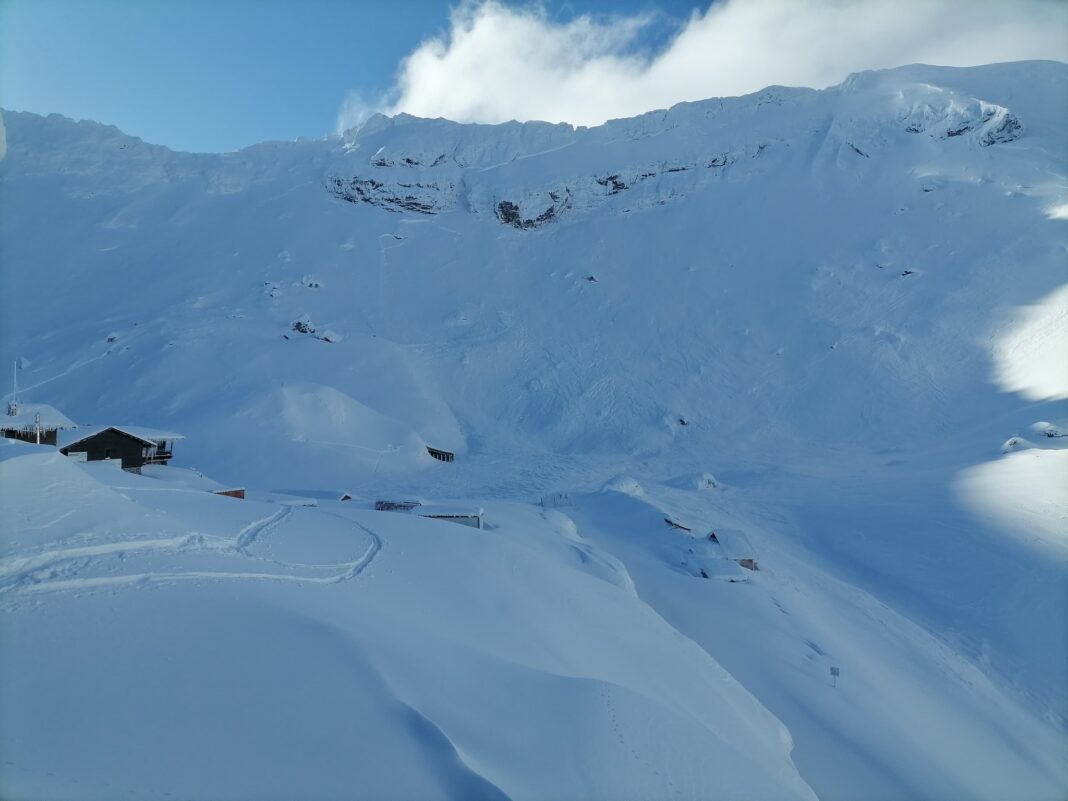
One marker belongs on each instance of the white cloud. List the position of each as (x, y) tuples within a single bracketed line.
[(355, 110), (499, 62)]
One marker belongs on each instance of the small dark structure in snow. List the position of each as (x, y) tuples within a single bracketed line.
[(38, 423), (347, 496), (465, 517), (679, 526), (237, 492), (136, 447), (453, 514), (555, 499), (395, 506), (440, 455), (736, 547)]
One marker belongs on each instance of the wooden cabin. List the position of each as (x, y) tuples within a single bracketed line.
[(136, 447)]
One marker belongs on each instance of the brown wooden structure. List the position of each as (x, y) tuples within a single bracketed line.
[(237, 492)]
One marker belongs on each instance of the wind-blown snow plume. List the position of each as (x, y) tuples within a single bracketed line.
[(499, 62)]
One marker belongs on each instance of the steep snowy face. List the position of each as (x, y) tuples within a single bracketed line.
[(756, 277)]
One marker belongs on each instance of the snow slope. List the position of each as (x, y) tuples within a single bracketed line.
[(840, 303), (312, 652)]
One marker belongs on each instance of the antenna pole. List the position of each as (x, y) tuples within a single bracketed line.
[(13, 404)]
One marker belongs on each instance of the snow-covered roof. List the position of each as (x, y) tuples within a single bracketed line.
[(735, 543), (51, 417), (147, 435), (181, 478)]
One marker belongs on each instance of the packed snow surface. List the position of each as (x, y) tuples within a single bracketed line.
[(747, 389)]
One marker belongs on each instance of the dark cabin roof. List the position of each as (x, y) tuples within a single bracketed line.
[(149, 436)]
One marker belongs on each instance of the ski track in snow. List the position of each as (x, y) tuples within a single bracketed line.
[(56, 570), (249, 533)]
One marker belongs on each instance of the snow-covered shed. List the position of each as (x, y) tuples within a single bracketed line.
[(454, 514), (134, 445), (464, 515), (186, 479), (735, 546), (34, 422), (396, 506)]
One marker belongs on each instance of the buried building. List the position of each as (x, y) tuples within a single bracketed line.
[(38, 423), (464, 515), (735, 545)]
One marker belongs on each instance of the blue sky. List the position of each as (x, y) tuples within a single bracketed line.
[(216, 75), (210, 76)]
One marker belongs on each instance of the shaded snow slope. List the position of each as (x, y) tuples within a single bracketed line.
[(843, 304), (903, 698)]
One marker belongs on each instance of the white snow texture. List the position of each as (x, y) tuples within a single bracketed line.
[(816, 333)]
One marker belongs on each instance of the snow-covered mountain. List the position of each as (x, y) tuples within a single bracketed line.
[(846, 305)]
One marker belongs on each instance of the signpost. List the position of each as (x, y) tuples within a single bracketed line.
[(834, 675)]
